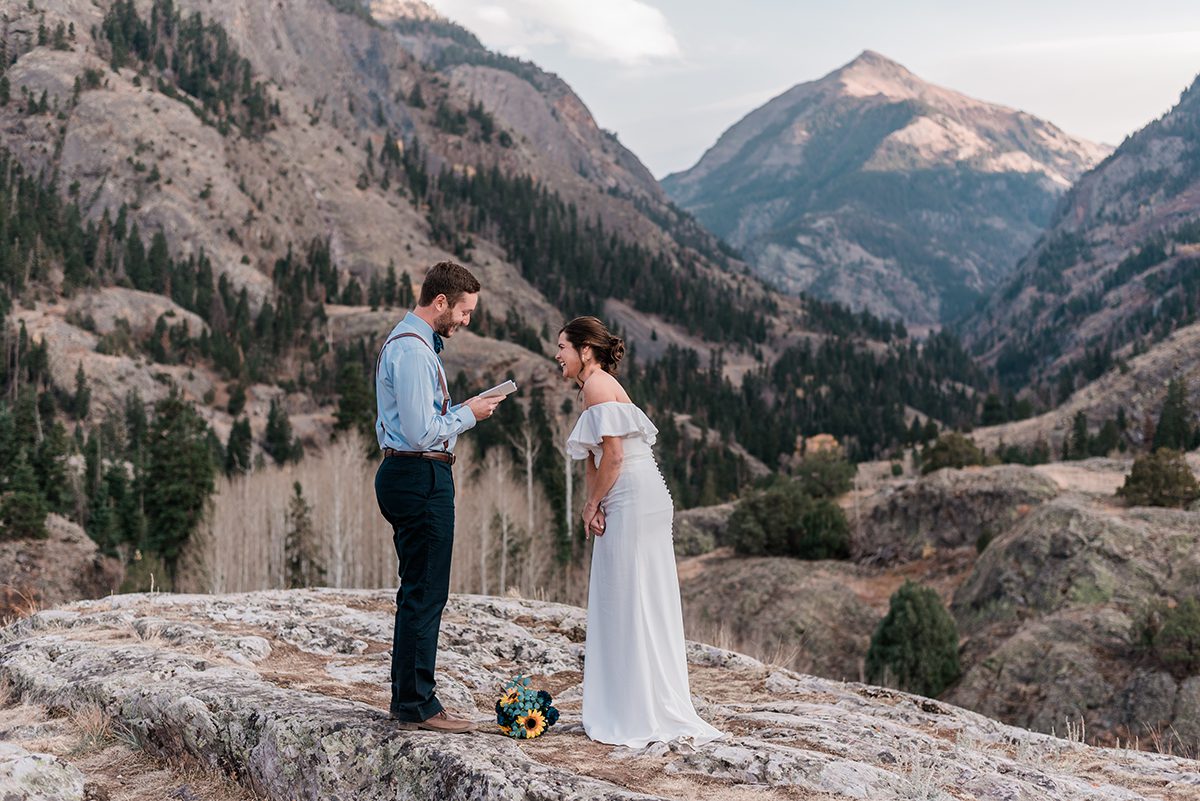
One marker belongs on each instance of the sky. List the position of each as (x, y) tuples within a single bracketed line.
[(669, 76)]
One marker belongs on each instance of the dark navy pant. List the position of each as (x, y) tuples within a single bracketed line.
[(417, 498)]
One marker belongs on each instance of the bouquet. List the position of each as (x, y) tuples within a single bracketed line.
[(523, 712)]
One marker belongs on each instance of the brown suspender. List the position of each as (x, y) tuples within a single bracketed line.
[(441, 376)]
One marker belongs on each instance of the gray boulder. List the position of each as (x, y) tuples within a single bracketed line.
[(26, 776)]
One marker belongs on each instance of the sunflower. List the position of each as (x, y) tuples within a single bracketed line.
[(534, 723), (509, 697), (506, 729)]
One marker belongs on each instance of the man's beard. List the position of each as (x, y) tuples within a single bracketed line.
[(444, 323)]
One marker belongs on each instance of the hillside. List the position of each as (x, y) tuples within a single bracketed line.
[(1057, 589), (1117, 271), (874, 188), (283, 693)]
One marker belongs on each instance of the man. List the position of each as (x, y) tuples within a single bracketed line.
[(417, 428)]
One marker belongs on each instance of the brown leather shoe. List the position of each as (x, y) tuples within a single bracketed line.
[(440, 722)]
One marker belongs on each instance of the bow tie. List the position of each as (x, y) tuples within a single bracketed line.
[(438, 344)]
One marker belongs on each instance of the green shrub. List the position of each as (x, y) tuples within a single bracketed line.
[(1162, 478), (915, 647), (1172, 636), (825, 474), (784, 520), (950, 450)]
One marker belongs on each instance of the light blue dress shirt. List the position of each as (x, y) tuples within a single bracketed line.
[(408, 394)]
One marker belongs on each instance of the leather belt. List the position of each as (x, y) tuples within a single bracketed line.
[(436, 456)]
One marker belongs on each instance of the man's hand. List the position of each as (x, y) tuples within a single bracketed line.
[(482, 408)]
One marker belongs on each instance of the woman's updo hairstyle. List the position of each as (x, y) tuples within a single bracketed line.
[(590, 332)]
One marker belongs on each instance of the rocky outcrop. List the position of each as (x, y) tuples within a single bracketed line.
[(1051, 618), (807, 614), (286, 690), (700, 530), (946, 509), (26, 776), (66, 566)]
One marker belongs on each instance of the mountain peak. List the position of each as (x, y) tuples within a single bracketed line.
[(391, 10), (872, 73), (874, 60)]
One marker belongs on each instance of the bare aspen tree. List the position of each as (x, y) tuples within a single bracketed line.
[(563, 428), (528, 447), (242, 544), (498, 469)]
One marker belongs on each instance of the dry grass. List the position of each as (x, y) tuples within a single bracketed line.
[(93, 725), (17, 603), (778, 652), (925, 777)]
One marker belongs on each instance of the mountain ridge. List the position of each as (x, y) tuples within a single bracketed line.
[(1117, 270), (880, 190)]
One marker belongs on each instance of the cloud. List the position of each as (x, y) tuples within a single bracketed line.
[(626, 32)]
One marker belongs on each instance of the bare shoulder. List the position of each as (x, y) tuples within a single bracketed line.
[(603, 388)]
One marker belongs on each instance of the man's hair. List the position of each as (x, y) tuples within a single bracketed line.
[(449, 279)]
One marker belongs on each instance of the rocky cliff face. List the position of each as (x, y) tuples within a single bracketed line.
[(875, 188), (66, 566), (1047, 575), (1052, 616), (1117, 268), (286, 691)]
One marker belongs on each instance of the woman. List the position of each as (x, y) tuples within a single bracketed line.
[(635, 681)]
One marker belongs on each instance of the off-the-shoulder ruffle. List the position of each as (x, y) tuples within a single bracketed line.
[(611, 419)]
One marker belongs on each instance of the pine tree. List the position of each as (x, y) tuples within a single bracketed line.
[(301, 551), (102, 524), (1080, 440), (180, 471), (390, 287), (237, 448), (237, 399), (1174, 429), (8, 442), (404, 297), (356, 406), (158, 265), (279, 442), (993, 410), (137, 425), (27, 418), (1107, 440), (49, 462), (415, 98), (915, 647), (136, 269), (81, 401), (22, 508)]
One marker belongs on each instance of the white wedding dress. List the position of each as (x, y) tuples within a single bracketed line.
[(635, 680)]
